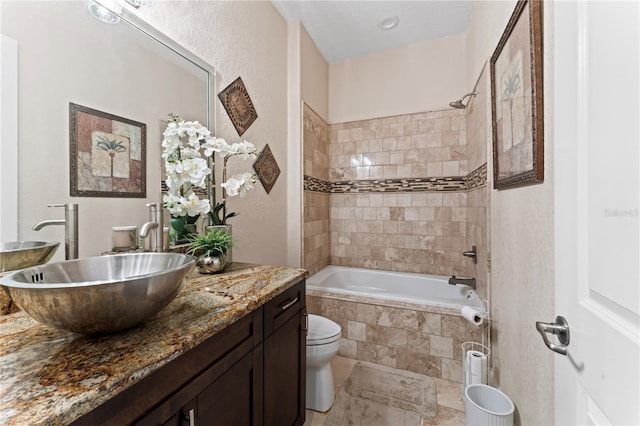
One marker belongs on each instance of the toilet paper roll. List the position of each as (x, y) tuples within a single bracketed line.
[(476, 368), (471, 314)]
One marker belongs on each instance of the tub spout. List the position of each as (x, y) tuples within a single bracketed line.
[(471, 282)]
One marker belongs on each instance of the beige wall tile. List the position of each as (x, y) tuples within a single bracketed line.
[(452, 370), (429, 323), (386, 356), (441, 346), (357, 331), (348, 348)]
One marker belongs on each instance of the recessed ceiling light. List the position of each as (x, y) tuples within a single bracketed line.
[(138, 3), (388, 23), (102, 13)]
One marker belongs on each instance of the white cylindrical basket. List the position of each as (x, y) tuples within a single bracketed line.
[(488, 406), (475, 363)]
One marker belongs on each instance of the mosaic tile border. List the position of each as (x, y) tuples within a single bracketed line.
[(399, 185), (475, 179), (316, 185)]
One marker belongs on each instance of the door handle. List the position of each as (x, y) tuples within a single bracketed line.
[(560, 328)]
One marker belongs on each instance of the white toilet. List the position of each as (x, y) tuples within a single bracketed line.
[(323, 342)]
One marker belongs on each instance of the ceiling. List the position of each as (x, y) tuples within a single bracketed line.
[(348, 29)]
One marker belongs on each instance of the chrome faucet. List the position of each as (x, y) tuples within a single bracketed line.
[(155, 224), (70, 223), (471, 282)]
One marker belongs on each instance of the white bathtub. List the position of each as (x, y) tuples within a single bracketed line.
[(428, 290)]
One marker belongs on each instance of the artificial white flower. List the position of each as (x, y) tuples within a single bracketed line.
[(196, 169), (194, 205), (243, 149), (239, 184), (174, 181), (174, 204)]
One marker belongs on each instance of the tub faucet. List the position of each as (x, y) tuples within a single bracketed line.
[(473, 254), (70, 223), (155, 225), (471, 282)]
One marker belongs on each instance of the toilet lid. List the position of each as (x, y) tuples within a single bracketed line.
[(322, 330)]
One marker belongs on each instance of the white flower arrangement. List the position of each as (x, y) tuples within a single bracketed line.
[(187, 150)]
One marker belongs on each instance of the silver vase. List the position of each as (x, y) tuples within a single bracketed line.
[(228, 229), (211, 264)]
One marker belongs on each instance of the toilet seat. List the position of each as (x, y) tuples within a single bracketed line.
[(322, 331)]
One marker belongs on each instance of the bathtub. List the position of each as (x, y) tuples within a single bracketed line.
[(418, 289)]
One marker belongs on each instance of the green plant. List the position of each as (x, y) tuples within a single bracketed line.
[(215, 243), (215, 217)]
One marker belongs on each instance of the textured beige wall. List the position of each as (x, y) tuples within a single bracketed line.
[(420, 77), (522, 255), (314, 76), (487, 23), (247, 39)]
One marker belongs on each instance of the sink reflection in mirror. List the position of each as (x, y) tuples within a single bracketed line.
[(24, 254)]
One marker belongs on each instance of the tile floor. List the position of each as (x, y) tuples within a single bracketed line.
[(449, 395)]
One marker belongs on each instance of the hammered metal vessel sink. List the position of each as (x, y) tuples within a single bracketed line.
[(23, 254), (99, 295)]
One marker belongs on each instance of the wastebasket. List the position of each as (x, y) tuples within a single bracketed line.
[(486, 405)]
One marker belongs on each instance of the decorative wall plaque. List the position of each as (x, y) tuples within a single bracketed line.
[(267, 168), (237, 103)]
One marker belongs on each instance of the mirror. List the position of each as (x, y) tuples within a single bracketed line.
[(129, 70)]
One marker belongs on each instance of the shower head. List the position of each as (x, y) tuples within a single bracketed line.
[(458, 104)]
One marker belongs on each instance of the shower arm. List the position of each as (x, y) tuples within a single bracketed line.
[(458, 103)]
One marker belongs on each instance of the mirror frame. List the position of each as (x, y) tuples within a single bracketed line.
[(146, 28)]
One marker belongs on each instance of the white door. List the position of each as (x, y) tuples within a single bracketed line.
[(596, 137)]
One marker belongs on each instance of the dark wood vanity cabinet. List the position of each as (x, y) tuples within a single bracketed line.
[(284, 367), (233, 398), (250, 373)]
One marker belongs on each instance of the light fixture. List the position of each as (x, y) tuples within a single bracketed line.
[(102, 13), (388, 23), (138, 3)]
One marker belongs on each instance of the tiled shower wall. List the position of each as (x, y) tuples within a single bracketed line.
[(400, 227), (316, 204), (404, 193)]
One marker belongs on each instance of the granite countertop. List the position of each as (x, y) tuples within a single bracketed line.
[(53, 377)]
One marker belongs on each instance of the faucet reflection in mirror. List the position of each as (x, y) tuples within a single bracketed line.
[(186, 147)]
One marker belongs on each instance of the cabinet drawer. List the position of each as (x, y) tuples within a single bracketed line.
[(283, 307)]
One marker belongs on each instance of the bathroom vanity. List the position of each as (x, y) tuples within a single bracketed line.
[(230, 349)]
